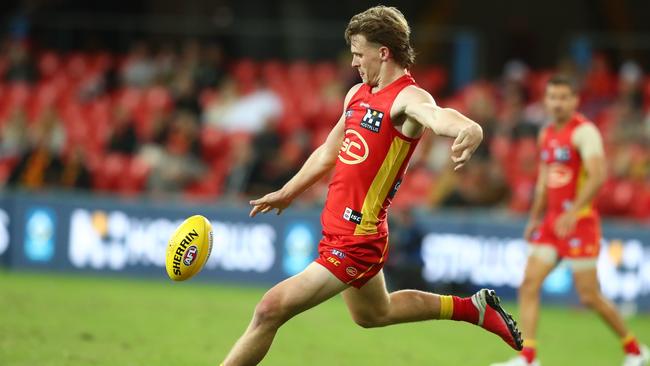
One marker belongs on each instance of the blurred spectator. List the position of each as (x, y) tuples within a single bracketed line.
[(234, 112), (75, 173), (185, 94), (123, 138), (176, 164), (15, 139), (139, 69), (41, 166), (209, 72), (21, 67), (49, 131), (274, 163)]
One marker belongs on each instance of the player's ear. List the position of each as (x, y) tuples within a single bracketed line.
[(384, 53)]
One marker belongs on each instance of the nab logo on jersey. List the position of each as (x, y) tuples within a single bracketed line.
[(562, 153), (372, 120)]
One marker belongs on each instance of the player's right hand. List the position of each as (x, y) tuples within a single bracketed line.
[(530, 228), (277, 200), (465, 144)]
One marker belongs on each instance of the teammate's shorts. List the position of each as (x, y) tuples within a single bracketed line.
[(582, 243), (353, 259)]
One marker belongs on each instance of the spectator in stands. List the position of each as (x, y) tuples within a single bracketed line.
[(176, 164), (15, 139), (21, 66), (234, 111), (185, 93), (74, 173), (41, 166), (49, 131), (139, 69), (209, 72), (275, 162), (123, 137)]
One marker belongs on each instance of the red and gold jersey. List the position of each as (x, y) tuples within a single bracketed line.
[(562, 149), (370, 165)]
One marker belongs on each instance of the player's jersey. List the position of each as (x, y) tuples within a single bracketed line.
[(565, 167), (370, 165)]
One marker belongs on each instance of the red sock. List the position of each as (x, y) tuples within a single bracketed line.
[(528, 353), (631, 346), (464, 310)]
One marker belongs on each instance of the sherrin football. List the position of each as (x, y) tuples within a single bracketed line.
[(189, 248)]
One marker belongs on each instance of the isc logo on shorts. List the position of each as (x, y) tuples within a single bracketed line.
[(352, 215)]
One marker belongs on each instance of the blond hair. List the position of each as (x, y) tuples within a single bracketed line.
[(386, 26)]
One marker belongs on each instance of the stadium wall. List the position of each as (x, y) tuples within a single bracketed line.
[(84, 234)]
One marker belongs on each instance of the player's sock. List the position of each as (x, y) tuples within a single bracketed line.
[(631, 345), (457, 308), (529, 352)]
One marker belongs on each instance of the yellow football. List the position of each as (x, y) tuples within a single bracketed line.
[(189, 248)]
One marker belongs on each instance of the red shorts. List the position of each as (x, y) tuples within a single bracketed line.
[(583, 242), (353, 259)]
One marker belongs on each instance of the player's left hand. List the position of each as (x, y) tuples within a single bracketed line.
[(565, 224), (465, 144), (277, 200)]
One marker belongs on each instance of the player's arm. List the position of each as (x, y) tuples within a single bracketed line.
[(319, 163), (539, 199), (420, 107), (589, 144)]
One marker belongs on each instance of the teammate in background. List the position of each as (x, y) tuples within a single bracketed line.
[(369, 149), (563, 223)]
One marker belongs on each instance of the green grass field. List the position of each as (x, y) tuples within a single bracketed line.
[(52, 319)]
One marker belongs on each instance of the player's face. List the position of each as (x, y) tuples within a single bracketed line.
[(561, 102), (366, 58)]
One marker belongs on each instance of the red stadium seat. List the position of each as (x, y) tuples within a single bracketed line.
[(48, 63), (109, 173), (214, 144), (134, 178)]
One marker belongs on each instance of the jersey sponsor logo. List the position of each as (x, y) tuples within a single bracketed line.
[(559, 175), (561, 153), (355, 149), (352, 215), (372, 120)]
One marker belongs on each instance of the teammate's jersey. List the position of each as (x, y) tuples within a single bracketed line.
[(562, 149), (370, 165)]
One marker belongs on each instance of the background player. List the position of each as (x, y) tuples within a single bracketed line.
[(369, 149), (563, 223)]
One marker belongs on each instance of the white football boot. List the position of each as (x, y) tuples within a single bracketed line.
[(518, 361), (642, 359)]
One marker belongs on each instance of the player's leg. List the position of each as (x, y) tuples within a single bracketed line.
[(588, 289), (372, 306), (541, 261), (586, 283), (285, 300)]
